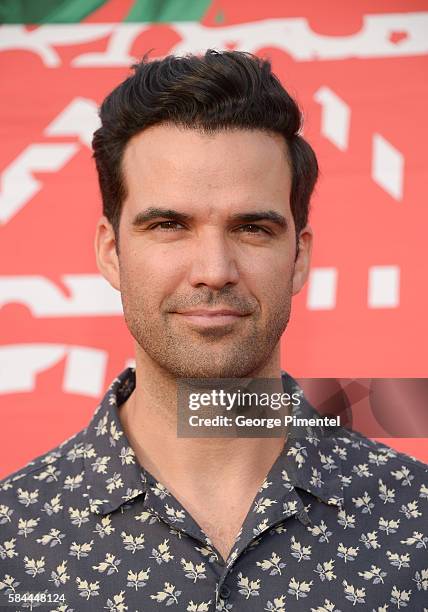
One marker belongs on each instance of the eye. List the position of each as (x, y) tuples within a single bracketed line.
[(258, 229), (166, 225)]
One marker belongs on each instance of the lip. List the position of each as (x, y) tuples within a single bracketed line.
[(211, 318), (204, 312)]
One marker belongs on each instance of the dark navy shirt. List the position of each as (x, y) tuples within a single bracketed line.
[(340, 523)]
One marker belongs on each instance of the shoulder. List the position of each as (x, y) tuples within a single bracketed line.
[(371, 468), (377, 454), (31, 489)]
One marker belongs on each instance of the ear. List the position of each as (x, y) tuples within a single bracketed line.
[(303, 261), (106, 253)]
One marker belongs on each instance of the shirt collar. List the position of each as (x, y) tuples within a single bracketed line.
[(112, 473), (309, 459), (114, 477)]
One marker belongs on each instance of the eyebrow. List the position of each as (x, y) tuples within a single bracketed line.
[(167, 213), (154, 213), (263, 215)]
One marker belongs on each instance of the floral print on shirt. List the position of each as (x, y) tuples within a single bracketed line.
[(340, 523)]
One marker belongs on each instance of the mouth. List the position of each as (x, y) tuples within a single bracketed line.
[(211, 318)]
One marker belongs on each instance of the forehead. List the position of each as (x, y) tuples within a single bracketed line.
[(169, 164)]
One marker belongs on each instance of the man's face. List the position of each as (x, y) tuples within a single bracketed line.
[(207, 226)]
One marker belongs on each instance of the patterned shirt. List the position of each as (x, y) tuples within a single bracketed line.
[(340, 523)]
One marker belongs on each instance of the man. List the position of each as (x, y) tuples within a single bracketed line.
[(206, 185)]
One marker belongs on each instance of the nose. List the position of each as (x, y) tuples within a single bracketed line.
[(213, 262)]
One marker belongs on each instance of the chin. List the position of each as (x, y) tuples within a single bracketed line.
[(233, 369)]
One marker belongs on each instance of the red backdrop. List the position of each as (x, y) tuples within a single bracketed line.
[(360, 76)]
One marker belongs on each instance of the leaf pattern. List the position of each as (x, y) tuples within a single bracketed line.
[(86, 521)]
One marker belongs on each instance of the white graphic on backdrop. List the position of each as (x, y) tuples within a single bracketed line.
[(387, 162), (335, 117), (19, 186), (384, 287), (79, 118), (322, 288), (18, 182), (293, 35), (84, 371), (91, 295), (43, 40), (387, 167)]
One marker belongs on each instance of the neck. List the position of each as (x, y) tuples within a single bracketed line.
[(196, 465)]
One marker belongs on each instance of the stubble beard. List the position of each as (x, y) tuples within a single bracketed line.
[(238, 351)]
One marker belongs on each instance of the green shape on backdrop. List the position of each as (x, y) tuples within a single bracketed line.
[(164, 11), (47, 11), (73, 11)]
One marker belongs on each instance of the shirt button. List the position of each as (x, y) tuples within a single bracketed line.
[(224, 592)]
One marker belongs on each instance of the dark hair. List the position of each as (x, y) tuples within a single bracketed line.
[(210, 92)]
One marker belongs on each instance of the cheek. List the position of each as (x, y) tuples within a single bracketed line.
[(269, 269), (152, 276), (283, 270), (269, 280)]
